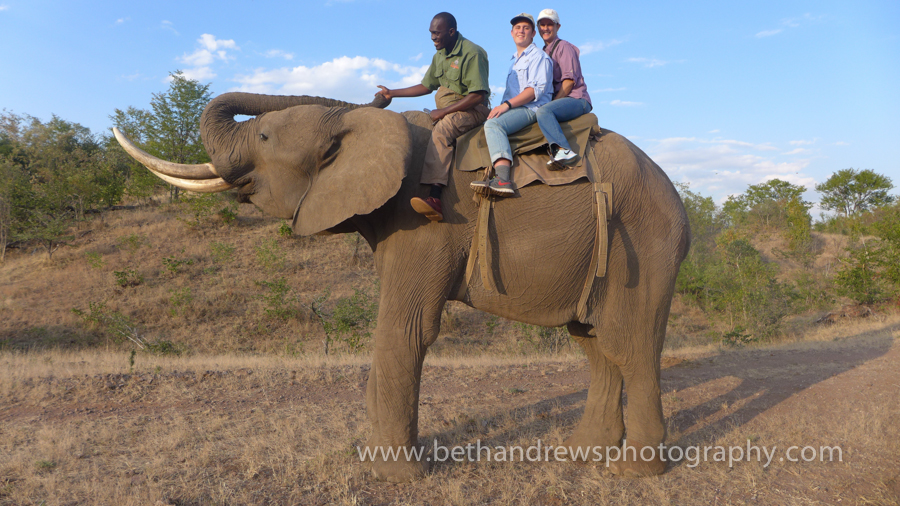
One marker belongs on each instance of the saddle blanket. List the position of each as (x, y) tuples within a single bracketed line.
[(531, 152)]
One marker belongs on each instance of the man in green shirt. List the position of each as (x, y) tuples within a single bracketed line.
[(459, 71)]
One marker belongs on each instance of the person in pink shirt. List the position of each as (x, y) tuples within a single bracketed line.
[(570, 96)]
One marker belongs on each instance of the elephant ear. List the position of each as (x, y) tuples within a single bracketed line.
[(373, 150)]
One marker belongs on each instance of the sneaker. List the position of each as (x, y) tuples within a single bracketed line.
[(502, 188), (430, 207), (564, 156), (479, 184)]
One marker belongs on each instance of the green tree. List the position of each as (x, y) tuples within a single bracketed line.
[(140, 182), (764, 204), (775, 204), (169, 130), (871, 270), (744, 288), (174, 127), (851, 192), (52, 173), (706, 221)]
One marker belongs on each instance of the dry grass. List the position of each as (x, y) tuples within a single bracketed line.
[(78, 428), (251, 413)]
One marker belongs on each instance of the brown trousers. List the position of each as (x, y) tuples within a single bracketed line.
[(439, 153)]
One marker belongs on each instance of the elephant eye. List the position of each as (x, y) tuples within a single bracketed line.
[(263, 137), (332, 152)]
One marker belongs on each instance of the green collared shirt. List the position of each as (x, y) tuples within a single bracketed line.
[(463, 70)]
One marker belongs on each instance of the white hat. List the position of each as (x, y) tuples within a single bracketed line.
[(548, 14)]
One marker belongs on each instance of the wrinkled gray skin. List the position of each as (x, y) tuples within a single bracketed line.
[(355, 169)]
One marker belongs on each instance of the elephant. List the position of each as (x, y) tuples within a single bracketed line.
[(336, 167)]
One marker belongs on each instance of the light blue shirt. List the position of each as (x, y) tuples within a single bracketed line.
[(531, 69)]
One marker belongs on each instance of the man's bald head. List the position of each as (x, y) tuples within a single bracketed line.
[(447, 18)]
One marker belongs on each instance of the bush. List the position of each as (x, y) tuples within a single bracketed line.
[(128, 277), (270, 255), (861, 275), (221, 252), (744, 289), (544, 339), (201, 206), (132, 243), (180, 300), (279, 301), (871, 271), (349, 322), (173, 265)]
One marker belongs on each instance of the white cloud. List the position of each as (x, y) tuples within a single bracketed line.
[(416, 57), (592, 47), (167, 25), (211, 49), (346, 78), (802, 142), (768, 33), (721, 167), (841, 143), (790, 23), (278, 53), (798, 151), (624, 103), (198, 74), (713, 131), (4, 7), (648, 62), (211, 43), (121, 20)]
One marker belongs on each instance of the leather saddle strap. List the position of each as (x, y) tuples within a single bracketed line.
[(599, 258), (480, 247)]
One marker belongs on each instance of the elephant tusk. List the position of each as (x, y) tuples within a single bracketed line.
[(213, 185), (181, 171)]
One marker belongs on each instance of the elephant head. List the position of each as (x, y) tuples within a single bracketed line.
[(313, 160)]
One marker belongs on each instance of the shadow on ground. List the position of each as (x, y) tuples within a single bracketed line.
[(756, 380)]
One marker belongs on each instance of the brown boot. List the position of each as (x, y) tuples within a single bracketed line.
[(430, 207)]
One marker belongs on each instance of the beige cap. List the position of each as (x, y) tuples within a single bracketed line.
[(549, 14), (522, 17)]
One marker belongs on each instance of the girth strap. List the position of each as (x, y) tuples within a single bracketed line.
[(481, 245), (600, 257)]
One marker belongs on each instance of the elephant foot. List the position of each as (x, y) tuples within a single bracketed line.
[(399, 471), (590, 447), (636, 460)]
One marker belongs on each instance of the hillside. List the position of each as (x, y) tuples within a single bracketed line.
[(162, 276)]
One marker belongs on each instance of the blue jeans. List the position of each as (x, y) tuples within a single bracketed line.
[(550, 115), (496, 130)]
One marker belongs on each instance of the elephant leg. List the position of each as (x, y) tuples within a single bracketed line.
[(601, 425), (645, 429), (629, 331), (392, 394), (645, 432)]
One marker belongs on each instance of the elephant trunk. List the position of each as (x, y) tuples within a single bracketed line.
[(230, 143)]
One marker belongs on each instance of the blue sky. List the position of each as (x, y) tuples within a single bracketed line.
[(719, 94)]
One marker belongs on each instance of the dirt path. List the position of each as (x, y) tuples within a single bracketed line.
[(272, 435)]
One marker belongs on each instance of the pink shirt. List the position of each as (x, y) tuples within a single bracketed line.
[(567, 66)]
